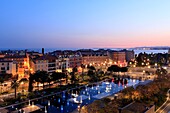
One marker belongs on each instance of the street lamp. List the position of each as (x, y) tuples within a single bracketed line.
[(156, 65), (142, 63), (143, 73)]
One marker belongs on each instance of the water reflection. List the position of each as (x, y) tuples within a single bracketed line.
[(68, 101)]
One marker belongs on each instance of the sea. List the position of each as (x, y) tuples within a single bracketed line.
[(150, 51), (137, 51)]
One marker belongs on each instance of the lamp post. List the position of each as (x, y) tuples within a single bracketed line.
[(143, 73), (156, 65)]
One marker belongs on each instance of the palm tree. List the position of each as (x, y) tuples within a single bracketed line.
[(31, 79), (82, 67), (15, 85), (23, 82), (73, 77), (66, 76), (1, 81)]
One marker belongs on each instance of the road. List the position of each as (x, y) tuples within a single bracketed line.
[(165, 108)]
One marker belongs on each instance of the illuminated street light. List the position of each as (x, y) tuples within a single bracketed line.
[(143, 73), (164, 67)]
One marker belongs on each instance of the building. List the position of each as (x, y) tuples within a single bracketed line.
[(47, 63), (119, 58), (8, 67), (22, 64), (2, 55), (74, 61), (129, 55), (63, 64), (95, 59), (68, 59), (98, 58)]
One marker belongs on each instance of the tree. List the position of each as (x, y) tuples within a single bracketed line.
[(74, 70), (82, 67), (15, 85), (100, 73), (22, 82), (31, 79), (114, 68), (1, 81), (92, 75), (161, 72), (91, 68), (43, 77), (56, 76), (109, 69), (40, 77), (49, 79), (66, 75), (61, 76), (90, 72), (73, 77), (124, 69)]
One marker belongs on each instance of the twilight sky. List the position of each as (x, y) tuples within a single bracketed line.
[(84, 23)]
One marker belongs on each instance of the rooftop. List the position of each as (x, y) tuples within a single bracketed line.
[(46, 57)]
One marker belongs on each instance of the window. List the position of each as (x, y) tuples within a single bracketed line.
[(3, 72), (2, 63), (2, 68), (8, 68)]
